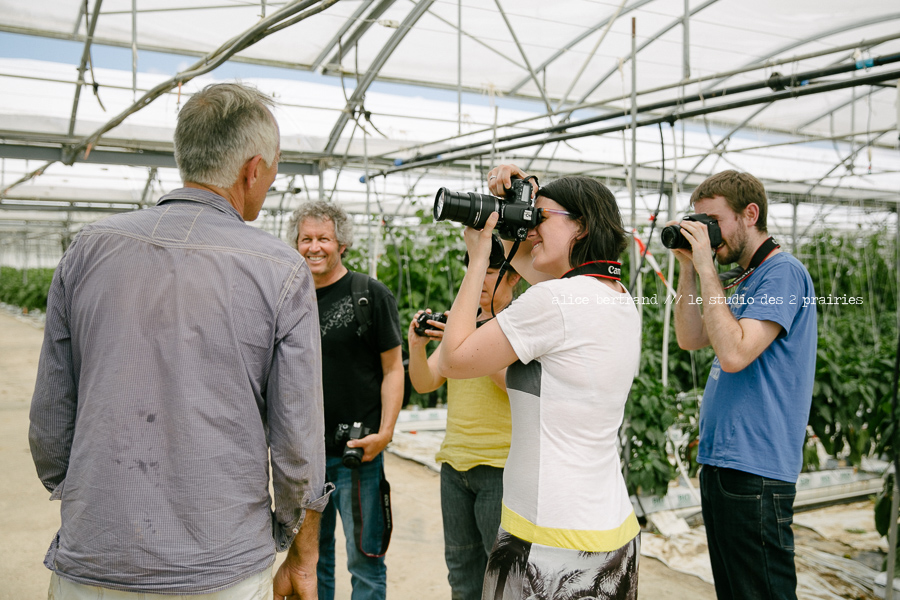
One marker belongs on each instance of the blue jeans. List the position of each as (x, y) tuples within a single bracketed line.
[(471, 506), (368, 574), (748, 526)]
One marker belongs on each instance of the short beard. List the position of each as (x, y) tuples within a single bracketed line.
[(740, 239)]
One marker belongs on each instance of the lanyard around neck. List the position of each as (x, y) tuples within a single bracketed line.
[(607, 269), (761, 254)]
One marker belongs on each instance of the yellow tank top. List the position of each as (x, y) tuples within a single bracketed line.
[(478, 424)]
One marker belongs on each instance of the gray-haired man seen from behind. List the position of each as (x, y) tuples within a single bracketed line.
[(181, 348)]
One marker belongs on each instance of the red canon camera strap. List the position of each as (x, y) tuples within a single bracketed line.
[(761, 254), (384, 501), (607, 269)]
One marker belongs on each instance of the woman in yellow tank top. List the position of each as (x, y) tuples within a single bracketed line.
[(475, 446)]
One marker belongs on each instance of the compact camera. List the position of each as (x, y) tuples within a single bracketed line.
[(671, 236), (516, 210), (343, 433), (422, 324)]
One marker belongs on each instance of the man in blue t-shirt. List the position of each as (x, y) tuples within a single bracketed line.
[(757, 399)]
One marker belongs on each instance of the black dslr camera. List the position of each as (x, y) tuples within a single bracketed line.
[(516, 210), (422, 324), (671, 236), (343, 433)]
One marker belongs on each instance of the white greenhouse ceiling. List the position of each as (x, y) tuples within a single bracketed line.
[(419, 94)]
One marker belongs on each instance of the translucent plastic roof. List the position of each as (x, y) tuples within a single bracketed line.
[(803, 94)]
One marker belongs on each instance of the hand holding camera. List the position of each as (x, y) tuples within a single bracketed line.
[(344, 433), (673, 238), (692, 243), (500, 178), (431, 330)]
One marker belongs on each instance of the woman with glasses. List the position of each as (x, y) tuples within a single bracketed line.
[(571, 344)]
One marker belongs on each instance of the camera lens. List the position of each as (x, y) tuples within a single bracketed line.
[(468, 208), (352, 457), (671, 237)]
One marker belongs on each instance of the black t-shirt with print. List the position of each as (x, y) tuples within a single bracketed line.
[(351, 368)]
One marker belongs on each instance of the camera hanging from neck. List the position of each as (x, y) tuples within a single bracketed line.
[(761, 254)]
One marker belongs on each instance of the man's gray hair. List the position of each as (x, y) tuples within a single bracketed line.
[(321, 210), (219, 129)]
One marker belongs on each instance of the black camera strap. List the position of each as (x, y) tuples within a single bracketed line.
[(384, 501), (761, 254), (607, 269), (503, 269)]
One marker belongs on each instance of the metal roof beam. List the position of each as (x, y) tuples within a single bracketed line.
[(82, 10), (844, 161), (85, 57), (61, 206), (531, 71), (813, 38), (285, 17), (354, 38), (575, 42), (875, 88), (141, 158), (649, 41), (360, 92), (477, 41)]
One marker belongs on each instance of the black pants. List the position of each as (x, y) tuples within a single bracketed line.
[(748, 526)]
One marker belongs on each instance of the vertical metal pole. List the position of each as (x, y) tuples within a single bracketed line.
[(321, 180), (892, 539), (494, 134), (670, 273), (667, 311), (134, 52), (459, 68), (24, 258), (686, 41), (634, 247), (852, 157), (795, 203), (895, 501), (371, 241)]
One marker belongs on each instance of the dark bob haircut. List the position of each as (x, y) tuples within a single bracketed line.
[(596, 210)]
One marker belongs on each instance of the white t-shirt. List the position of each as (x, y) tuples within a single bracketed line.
[(578, 344)]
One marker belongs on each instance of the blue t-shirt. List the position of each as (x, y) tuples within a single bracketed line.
[(755, 420)]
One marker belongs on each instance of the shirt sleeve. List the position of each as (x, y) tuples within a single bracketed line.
[(55, 400), (295, 415), (533, 323)]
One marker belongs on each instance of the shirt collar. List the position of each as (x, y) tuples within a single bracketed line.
[(203, 197)]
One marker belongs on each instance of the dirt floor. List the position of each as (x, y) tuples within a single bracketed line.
[(415, 560)]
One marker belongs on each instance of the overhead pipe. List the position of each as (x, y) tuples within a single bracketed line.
[(768, 64), (776, 82), (808, 90)]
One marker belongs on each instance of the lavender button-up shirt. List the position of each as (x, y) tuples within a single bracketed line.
[(181, 347)]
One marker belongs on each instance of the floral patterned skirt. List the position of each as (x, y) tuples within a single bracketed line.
[(520, 570)]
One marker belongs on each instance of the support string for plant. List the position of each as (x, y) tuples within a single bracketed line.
[(662, 187)]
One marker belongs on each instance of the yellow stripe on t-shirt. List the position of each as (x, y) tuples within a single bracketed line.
[(574, 539)]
